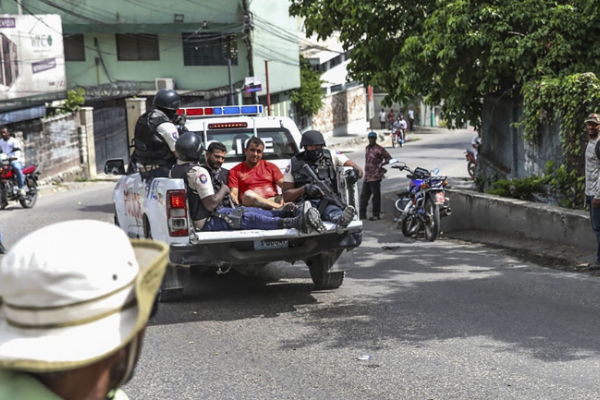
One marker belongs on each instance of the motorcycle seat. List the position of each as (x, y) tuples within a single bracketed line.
[(30, 169)]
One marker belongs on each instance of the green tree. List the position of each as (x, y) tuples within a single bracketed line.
[(308, 98), (75, 99), (455, 53)]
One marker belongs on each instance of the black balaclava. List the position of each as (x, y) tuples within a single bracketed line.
[(314, 155)]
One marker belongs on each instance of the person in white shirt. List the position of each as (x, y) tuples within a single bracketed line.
[(411, 119), (475, 143), (12, 148), (382, 118)]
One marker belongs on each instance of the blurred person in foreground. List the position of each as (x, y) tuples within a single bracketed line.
[(73, 315)]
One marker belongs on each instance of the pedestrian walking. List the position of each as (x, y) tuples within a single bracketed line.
[(411, 118), (382, 118), (76, 299), (592, 186), (375, 158)]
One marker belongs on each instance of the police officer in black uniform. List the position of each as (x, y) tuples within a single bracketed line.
[(155, 136), (298, 184), (207, 208)]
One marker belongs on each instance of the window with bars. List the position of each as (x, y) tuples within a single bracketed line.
[(137, 47), (74, 47), (209, 49)]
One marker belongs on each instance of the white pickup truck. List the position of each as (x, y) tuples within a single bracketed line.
[(158, 209)]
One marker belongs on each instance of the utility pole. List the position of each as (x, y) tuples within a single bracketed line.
[(248, 42), (231, 103), (268, 89)]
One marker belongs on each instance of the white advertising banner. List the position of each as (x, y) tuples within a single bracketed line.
[(32, 61)]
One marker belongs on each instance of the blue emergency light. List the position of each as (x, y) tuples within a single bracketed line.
[(221, 111)]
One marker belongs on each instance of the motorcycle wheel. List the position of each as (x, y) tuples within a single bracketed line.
[(410, 226), (471, 169), (32, 193), (394, 141), (432, 220)]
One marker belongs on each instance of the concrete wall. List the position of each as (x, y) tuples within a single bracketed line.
[(505, 153), (53, 143), (342, 113), (513, 218)]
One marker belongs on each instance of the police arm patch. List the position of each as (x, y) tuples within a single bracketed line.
[(203, 179)]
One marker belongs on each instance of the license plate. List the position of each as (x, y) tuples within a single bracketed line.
[(440, 197), (270, 244)]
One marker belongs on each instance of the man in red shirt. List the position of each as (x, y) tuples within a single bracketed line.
[(375, 158), (254, 182)]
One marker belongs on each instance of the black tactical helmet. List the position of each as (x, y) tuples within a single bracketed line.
[(166, 99), (188, 147), (312, 137)]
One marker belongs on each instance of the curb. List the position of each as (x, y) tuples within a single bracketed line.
[(548, 233), (49, 190)]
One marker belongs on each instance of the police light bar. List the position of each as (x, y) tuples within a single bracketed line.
[(221, 111)]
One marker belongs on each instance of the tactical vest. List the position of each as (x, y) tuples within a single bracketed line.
[(197, 210), (150, 148), (218, 177), (323, 168)]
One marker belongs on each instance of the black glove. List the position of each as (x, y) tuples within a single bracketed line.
[(313, 192), (351, 176), (179, 120)]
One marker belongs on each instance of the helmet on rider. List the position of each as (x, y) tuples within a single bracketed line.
[(167, 101), (188, 147), (372, 135), (313, 138)]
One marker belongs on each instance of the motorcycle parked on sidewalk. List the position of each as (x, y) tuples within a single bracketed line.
[(471, 162), (397, 138), (9, 188), (425, 203)]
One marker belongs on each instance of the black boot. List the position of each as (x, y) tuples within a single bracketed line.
[(307, 220), (347, 216), (3, 249), (287, 210)]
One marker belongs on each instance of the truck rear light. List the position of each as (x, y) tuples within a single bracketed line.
[(177, 199), (177, 213)]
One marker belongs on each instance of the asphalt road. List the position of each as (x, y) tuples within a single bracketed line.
[(413, 320)]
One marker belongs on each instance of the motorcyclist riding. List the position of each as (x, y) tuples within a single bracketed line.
[(12, 148), (155, 136), (297, 183)]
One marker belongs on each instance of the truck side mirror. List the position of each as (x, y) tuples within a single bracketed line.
[(115, 166)]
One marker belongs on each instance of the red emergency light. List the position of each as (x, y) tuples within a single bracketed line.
[(221, 111), (228, 125)]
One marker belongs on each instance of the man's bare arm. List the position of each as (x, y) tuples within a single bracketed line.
[(291, 193), (234, 192), (352, 164), (212, 202)]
